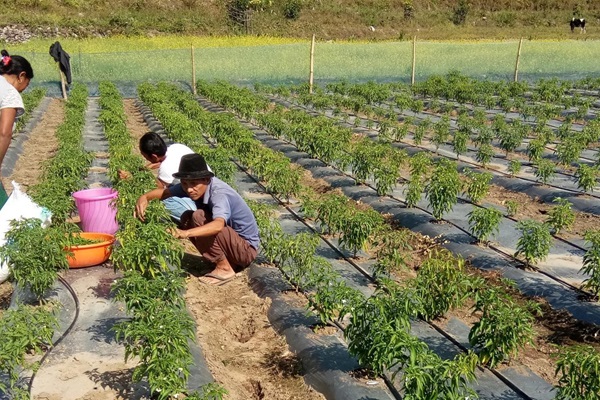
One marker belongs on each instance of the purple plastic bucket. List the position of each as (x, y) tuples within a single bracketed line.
[(96, 211)]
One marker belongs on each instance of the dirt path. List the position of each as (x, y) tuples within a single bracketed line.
[(244, 353), (40, 146)]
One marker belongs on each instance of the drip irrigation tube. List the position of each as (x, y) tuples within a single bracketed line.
[(63, 335)]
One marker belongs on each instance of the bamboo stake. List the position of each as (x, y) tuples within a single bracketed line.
[(518, 58), (63, 84), (193, 71), (312, 65), (414, 60)]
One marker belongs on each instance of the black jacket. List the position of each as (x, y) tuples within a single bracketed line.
[(62, 58)]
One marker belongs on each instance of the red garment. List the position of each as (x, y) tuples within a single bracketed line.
[(226, 244)]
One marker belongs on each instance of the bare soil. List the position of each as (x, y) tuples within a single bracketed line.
[(6, 291), (244, 353), (529, 208), (40, 146)]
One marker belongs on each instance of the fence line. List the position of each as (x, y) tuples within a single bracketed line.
[(379, 61)]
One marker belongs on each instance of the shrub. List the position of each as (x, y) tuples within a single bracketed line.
[(460, 13), (292, 8), (505, 19), (409, 10)]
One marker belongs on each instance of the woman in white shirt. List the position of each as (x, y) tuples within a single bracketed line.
[(15, 74)]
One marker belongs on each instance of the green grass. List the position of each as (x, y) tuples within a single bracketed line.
[(247, 61)]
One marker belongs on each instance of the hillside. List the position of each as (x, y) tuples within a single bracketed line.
[(328, 19)]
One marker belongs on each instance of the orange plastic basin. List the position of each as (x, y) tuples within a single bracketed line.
[(88, 255)]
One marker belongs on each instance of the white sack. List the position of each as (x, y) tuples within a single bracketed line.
[(19, 205)]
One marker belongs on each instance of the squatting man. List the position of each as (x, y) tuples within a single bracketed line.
[(223, 227)]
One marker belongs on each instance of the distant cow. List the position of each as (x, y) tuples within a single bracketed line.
[(579, 23)]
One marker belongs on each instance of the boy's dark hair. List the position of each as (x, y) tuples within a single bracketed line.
[(14, 65), (152, 143)]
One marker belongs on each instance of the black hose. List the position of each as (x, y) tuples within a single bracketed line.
[(64, 334)]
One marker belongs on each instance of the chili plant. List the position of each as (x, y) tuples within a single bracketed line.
[(535, 149), (569, 150), (158, 335), (331, 213), (459, 143), (359, 226), (443, 188), (210, 391), (378, 333), (561, 216), (332, 298), (442, 284), (514, 167), (510, 138), (591, 262), (414, 191), (478, 185), (35, 254), (578, 370), (544, 171), (512, 206), (421, 130), (428, 376), (394, 250), (587, 177), (535, 241), (503, 328), (23, 329), (485, 153), (441, 132), (484, 222)]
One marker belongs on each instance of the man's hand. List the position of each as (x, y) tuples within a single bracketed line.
[(140, 207), (124, 174), (153, 165), (179, 233)]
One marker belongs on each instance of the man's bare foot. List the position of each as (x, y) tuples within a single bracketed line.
[(216, 279)]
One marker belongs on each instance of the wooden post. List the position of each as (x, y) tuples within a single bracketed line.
[(517, 62), (414, 60), (193, 71), (63, 84), (312, 65)]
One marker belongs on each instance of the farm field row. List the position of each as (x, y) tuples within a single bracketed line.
[(509, 139), (357, 282), (222, 139), (461, 213)]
